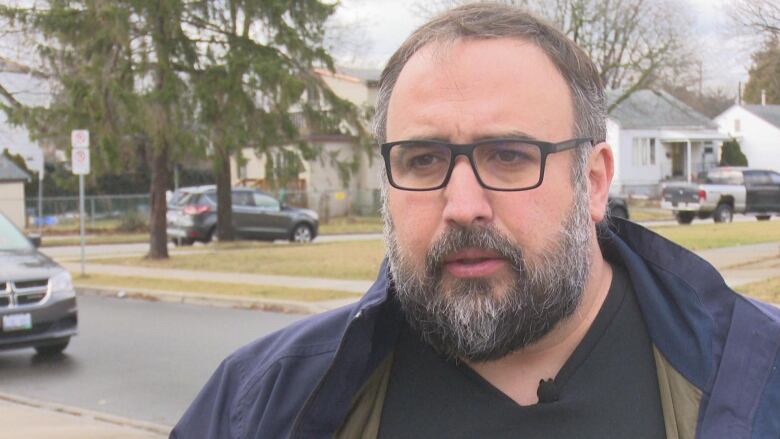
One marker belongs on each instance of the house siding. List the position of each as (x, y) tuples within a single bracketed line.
[(758, 139), (12, 202)]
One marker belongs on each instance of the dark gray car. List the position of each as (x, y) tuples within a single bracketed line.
[(256, 215), (37, 299)]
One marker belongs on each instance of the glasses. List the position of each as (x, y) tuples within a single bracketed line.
[(499, 164)]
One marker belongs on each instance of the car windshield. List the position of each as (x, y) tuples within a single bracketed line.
[(11, 238)]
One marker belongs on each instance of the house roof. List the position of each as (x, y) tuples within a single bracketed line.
[(10, 172), (367, 75), (654, 109), (770, 113)]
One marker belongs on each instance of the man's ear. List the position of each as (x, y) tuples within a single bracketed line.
[(599, 172)]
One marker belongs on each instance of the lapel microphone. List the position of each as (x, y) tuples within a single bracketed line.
[(547, 391)]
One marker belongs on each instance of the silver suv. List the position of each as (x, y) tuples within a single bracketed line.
[(37, 299)]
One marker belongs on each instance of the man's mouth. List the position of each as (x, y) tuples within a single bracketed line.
[(473, 262)]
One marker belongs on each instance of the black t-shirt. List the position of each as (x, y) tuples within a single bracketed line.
[(608, 388)]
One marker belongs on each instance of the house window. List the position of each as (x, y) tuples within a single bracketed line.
[(737, 125), (643, 151), (242, 171)]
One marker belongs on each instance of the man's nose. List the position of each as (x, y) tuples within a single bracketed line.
[(467, 202)]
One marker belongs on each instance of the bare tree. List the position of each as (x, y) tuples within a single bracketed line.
[(761, 15), (633, 43)]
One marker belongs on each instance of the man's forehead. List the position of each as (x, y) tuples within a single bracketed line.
[(480, 83)]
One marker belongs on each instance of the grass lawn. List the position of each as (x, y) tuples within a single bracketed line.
[(260, 291), (767, 290), (352, 224), (704, 236), (640, 214), (336, 260)]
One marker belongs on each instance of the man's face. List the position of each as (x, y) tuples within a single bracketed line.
[(497, 270)]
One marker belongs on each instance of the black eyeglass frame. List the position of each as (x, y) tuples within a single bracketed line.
[(467, 149)]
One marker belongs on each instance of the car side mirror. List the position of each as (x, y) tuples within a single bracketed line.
[(35, 239)]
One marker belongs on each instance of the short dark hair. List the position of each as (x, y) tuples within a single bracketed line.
[(492, 20)]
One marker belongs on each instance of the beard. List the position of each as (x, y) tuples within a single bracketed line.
[(479, 319)]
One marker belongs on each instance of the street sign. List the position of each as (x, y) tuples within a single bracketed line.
[(79, 138), (80, 161)]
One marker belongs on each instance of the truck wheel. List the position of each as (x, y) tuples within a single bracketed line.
[(763, 217), (723, 214), (684, 217)]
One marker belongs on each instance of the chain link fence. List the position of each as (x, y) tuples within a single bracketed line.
[(111, 211)]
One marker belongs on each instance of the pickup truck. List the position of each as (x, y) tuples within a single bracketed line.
[(723, 192)]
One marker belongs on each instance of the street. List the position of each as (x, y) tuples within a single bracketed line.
[(136, 359)]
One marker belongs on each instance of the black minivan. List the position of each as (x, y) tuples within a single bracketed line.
[(37, 298)]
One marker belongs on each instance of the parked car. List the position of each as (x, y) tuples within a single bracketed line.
[(256, 215), (724, 192), (617, 207), (37, 299)]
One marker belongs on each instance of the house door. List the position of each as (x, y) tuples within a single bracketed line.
[(678, 159)]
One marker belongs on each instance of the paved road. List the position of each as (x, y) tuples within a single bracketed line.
[(137, 359)]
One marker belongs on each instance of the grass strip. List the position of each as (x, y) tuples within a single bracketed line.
[(232, 289), (767, 290), (706, 236), (334, 260), (352, 224)]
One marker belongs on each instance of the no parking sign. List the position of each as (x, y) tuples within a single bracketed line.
[(79, 140)]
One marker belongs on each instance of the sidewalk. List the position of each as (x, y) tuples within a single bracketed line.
[(24, 418)]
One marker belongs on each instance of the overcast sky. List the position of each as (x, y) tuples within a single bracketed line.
[(725, 57)]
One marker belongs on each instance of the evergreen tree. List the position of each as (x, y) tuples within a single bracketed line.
[(731, 154), (765, 74), (255, 84), (113, 66)]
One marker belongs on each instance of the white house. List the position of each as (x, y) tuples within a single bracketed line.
[(757, 129), (656, 137), (12, 180), (30, 90)]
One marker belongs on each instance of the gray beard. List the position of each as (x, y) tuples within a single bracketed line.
[(474, 321)]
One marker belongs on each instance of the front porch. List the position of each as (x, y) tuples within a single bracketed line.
[(688, 154)]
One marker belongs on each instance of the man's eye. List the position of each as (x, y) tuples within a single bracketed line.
[(509, 156), (422, 161)]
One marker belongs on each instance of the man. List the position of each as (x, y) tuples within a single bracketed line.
[(506, 307)]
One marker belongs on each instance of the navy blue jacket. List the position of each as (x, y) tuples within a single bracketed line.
[(299, 382)]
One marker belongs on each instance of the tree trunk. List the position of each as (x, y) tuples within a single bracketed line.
[(158, 235), (224, 199)]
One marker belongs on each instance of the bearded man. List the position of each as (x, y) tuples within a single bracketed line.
[(508, 306)]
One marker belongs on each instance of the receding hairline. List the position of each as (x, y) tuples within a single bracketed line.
[(440, 49)]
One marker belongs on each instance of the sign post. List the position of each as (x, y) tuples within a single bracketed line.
[(79, 140)]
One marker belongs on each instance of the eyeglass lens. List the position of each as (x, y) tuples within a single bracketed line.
[(501, 164)]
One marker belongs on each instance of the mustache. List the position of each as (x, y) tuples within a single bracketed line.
[(482, 237)]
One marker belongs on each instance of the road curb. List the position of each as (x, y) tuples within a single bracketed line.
[(86, 413), (225, 301)]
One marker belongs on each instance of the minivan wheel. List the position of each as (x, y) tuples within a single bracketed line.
[(723, 214), (301, 234), (49, 350)]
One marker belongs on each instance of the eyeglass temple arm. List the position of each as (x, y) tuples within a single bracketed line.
[(569, 144)]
